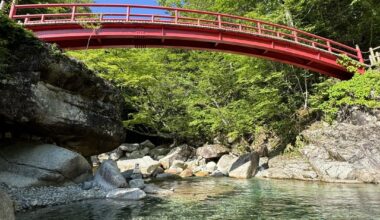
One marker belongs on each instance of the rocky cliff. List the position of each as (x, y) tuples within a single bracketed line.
[(48, 97), (346, 151)]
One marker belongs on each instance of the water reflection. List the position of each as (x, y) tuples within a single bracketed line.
[(225, 198)]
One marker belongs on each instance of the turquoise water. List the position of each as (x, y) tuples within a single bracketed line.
[(225, 198)]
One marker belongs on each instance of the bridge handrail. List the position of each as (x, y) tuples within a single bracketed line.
[(296, 35)]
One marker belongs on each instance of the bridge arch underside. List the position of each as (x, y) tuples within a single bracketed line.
[(126, 35)]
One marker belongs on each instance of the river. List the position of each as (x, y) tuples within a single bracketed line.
[(226, 198)]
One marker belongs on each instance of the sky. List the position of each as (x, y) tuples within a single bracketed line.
[(133, 2)]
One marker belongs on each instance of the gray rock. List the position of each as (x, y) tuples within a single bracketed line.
[(244, 166), (102, 157), (6, 207), (147, 144), (211, 166), (127, 174), (108, 176), (144, 151), (137, 183), (134, 155), (126, 194), (282, 167), (164, 176), (116, 154), (147, 165), (182, 153), (217, 173), (153, 189), (129, 147), (159, 170), (209, 151), (23, 165), (87, 185), (159, 151), (225, 162), (179, 164)]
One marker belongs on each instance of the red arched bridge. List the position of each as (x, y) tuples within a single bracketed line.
[(74, 26)]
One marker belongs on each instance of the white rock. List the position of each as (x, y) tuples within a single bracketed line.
[(126, 194)]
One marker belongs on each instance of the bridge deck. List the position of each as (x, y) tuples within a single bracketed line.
[(176, 27)]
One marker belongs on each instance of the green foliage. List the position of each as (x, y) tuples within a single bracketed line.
[(351, 65), (361, 90), (13, 37)]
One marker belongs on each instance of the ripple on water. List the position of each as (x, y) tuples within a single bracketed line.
[(225, 198)]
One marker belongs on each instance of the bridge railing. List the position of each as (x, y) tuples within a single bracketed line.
[(178, 16)]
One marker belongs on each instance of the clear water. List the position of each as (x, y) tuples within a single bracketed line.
[(225, 198)]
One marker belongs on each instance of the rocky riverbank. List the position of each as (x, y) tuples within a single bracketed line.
[(348, 151)]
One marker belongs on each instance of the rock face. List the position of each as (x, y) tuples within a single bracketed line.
[(108, 176), (245, 166), (147, 165), (126, 194), (345, 152), (209, 151), (182, 153), (6, 207), (46, 94), (25, 165)]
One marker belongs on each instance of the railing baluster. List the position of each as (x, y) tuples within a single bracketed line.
[(73, 9), (295, 34), (42, 18), (259, 27), (128, 13), (329, 46), (176, 16), (220, 21)]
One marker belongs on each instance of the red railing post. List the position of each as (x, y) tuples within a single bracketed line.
[(42, 18), (360, 55), (73, 9), (128, 13), (13, 10)]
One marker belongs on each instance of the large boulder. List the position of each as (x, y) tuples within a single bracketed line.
[(108, 176), (126, 194), (282, 167), (245, 166), (182, 153), (210, 151), (225, 162), (6, 207), (147, 165), (23, 165), (46, 94)]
